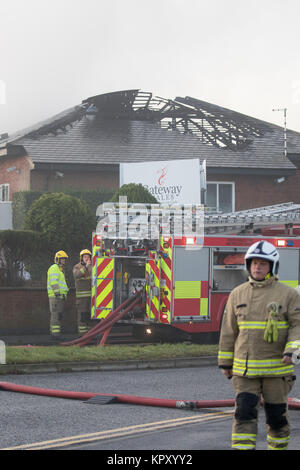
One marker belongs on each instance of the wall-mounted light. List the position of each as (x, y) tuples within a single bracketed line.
[(58, 174), (280, 180), (13, 168)]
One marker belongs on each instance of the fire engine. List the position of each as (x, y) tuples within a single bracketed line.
[(182, 282)]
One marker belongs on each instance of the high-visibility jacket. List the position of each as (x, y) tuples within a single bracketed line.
[(242, 346), (56, 282), (82, 274)]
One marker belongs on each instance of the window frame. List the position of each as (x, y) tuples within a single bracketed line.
[(217, 183), (4, 190)]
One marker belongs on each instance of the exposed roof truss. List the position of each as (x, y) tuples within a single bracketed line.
[(211, 124)]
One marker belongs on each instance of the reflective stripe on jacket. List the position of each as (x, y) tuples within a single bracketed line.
[(242, 346), (82, 275), (56, 282)]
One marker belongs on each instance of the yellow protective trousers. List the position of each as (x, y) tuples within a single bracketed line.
[(83, 307), (249, 391), (56, 306)]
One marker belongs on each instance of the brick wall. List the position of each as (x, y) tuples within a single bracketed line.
[(18, 176), (25, 311), (49, 181), (256, 191)]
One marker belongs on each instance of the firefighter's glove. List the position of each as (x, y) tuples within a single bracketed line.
[(271, 330)]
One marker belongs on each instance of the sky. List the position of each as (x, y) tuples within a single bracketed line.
[(242, 55)]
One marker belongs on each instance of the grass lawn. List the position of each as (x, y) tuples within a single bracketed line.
[(55, 354)]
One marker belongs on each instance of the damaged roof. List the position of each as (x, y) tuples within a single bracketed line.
[(135, 126)]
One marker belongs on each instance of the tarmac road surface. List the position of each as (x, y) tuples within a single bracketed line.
[(32, 421)]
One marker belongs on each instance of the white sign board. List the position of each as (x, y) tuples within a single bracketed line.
[(172, 181)]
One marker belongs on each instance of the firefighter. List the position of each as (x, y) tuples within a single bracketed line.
[(57, 291), (82, 273), (260, 330)]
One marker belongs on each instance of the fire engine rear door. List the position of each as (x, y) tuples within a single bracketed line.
[(289, 266), (191, 275)]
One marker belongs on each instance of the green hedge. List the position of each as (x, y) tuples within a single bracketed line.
[(21, 203), (66, 222), (135, 193), (23, 200), (21, 251)]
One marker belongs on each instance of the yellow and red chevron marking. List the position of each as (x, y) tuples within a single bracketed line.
[(94, 258), (148, 271), (97, 244), (166, 279), (152, 301), (104, 287)]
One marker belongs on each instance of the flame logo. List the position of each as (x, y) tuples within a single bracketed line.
[(163, 172)]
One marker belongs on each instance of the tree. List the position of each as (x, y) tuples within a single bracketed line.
[(66, 222), (135, 193)]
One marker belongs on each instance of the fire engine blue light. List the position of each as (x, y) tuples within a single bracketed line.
[(290, 243)]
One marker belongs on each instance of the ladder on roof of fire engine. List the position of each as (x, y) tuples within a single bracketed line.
[(287, 214), (253, 219)]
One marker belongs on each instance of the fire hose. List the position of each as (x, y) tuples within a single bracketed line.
[(107, 398), (94, 331), (107, 323)]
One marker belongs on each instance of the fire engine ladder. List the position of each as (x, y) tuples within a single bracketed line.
[(251, 220)]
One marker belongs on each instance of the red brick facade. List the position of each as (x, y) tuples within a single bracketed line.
[(15, 171), (59, 181), (25, 311), (260, 190), (250, 190)]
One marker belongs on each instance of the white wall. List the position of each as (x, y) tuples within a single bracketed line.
[(5, 216)]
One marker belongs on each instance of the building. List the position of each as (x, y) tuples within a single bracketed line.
[(82, 147)]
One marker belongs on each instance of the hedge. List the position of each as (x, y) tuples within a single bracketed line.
[(135, 193), (21, 250), (23, 200)]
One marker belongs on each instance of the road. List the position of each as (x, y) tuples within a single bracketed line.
[(38, 422)]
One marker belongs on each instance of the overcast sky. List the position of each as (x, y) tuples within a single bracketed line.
[(243, 55)]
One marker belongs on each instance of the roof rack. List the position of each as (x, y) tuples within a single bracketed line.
[(251, 220), (150, 220)]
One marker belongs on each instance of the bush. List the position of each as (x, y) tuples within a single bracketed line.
[(135, 193), (67, 224), (92, 197), (23, 200), (53, 221), (20, 250)]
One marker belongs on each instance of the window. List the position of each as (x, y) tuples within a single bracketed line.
[(220, 197), (229, 269), (4, 192)]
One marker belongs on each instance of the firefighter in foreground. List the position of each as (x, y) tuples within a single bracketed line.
[(260, 331), (57, 292), (82, 273)]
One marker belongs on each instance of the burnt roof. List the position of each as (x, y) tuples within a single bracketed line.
[(135, 126)]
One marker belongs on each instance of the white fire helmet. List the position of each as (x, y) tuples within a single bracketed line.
[(264, 250)]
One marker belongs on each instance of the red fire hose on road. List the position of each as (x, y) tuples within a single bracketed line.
[(293, 403)]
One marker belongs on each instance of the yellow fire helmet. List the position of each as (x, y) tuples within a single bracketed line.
[(60, 254), (85, 252)]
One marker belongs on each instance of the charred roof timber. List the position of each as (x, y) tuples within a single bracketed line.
[(212, 124), (135, 126)]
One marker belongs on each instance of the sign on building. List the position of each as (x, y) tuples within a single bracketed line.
[(171, 182)]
